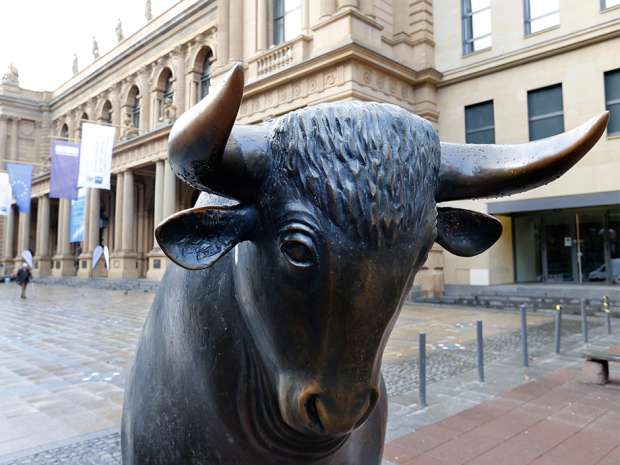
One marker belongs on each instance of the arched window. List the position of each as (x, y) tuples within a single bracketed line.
[(168, 95), (165, 88), (83, 118), (286, 20), (133, 102), (106, 112), (205, 77), (64, 131)]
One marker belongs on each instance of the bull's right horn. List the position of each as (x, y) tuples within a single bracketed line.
[(469, 171), (210, 153)]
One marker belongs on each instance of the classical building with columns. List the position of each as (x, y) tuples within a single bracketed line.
[(482, 71), (296, 53)]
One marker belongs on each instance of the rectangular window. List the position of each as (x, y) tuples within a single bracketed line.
[(609, 3), (476, 25), (612, 100), (479, 123), (286, 20), (545, 112), (541, 15)]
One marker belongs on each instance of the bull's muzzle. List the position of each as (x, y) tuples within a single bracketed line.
[(312, 408)]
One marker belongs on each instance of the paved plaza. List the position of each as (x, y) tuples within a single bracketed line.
[(65, 352)]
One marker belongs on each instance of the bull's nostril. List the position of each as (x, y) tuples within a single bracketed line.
[(313, 413), (373, 396)]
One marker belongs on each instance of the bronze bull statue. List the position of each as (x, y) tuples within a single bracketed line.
[(264, 344)]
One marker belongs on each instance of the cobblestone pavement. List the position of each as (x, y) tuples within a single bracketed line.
[(64, 353)]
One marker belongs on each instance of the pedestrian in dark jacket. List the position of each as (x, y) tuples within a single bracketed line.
[(23, 278)]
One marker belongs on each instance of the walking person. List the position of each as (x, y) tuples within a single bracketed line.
[(23, 278)]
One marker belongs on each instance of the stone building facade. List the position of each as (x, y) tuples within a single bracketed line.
[(475, 68), (296, 53)]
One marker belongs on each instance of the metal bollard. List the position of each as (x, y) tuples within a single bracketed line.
[(422, 369), (558, 327), (584, 321), (480, 344), (607, 314), (526, 361)]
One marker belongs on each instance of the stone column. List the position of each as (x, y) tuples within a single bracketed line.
[(23, 235), (127, 241), (235, 41), (43, 263), (367, 7), (3, 136), (145, 104), (179, 90), (160, 167), (8, 241), (328, 7), (223, 19), (64, 262), (262, 25), (117, 118), (118, 213), (170, 191), (13, 153), (91, 237), (305, 17), (348, 3), (61, 231), (124, 262), (156, 256)]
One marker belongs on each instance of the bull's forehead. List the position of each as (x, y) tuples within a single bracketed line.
[(371, 168)]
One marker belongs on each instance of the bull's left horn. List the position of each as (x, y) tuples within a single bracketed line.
[(209, 152), (470, 171)]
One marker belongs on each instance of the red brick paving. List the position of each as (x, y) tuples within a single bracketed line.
[(556, 420)]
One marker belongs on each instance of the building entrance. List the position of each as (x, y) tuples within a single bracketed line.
[(576, 246)]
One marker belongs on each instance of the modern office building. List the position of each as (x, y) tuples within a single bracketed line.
[(483, 71), (523, 70)]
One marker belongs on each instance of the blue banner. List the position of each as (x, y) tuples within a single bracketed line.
[(20, 177), (78, 217), (65, 166)]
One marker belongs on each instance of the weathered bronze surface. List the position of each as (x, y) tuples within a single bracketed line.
[(304, 245)]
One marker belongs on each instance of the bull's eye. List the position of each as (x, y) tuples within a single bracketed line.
[(298, 250)]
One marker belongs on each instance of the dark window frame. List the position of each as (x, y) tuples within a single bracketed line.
[(478, 130), (615, 102), (278, 21), (467, 28), (205, 77), (544, 116), (527, 18), (168, 92), (135, 113), (604, 6)]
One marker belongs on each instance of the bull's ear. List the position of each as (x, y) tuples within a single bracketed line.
[(196, 238), (466, 233)]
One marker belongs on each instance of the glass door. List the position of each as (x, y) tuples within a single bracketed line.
[(613, 246), (559, 248), (591, 246)]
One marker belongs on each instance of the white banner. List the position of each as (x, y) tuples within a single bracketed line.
[(96, 155), (27, 256), (6, 194)]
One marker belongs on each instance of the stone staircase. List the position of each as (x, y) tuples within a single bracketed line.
[(139, 285), (533, 296)]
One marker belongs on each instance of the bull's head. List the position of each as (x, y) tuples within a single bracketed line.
[(336, 213)]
